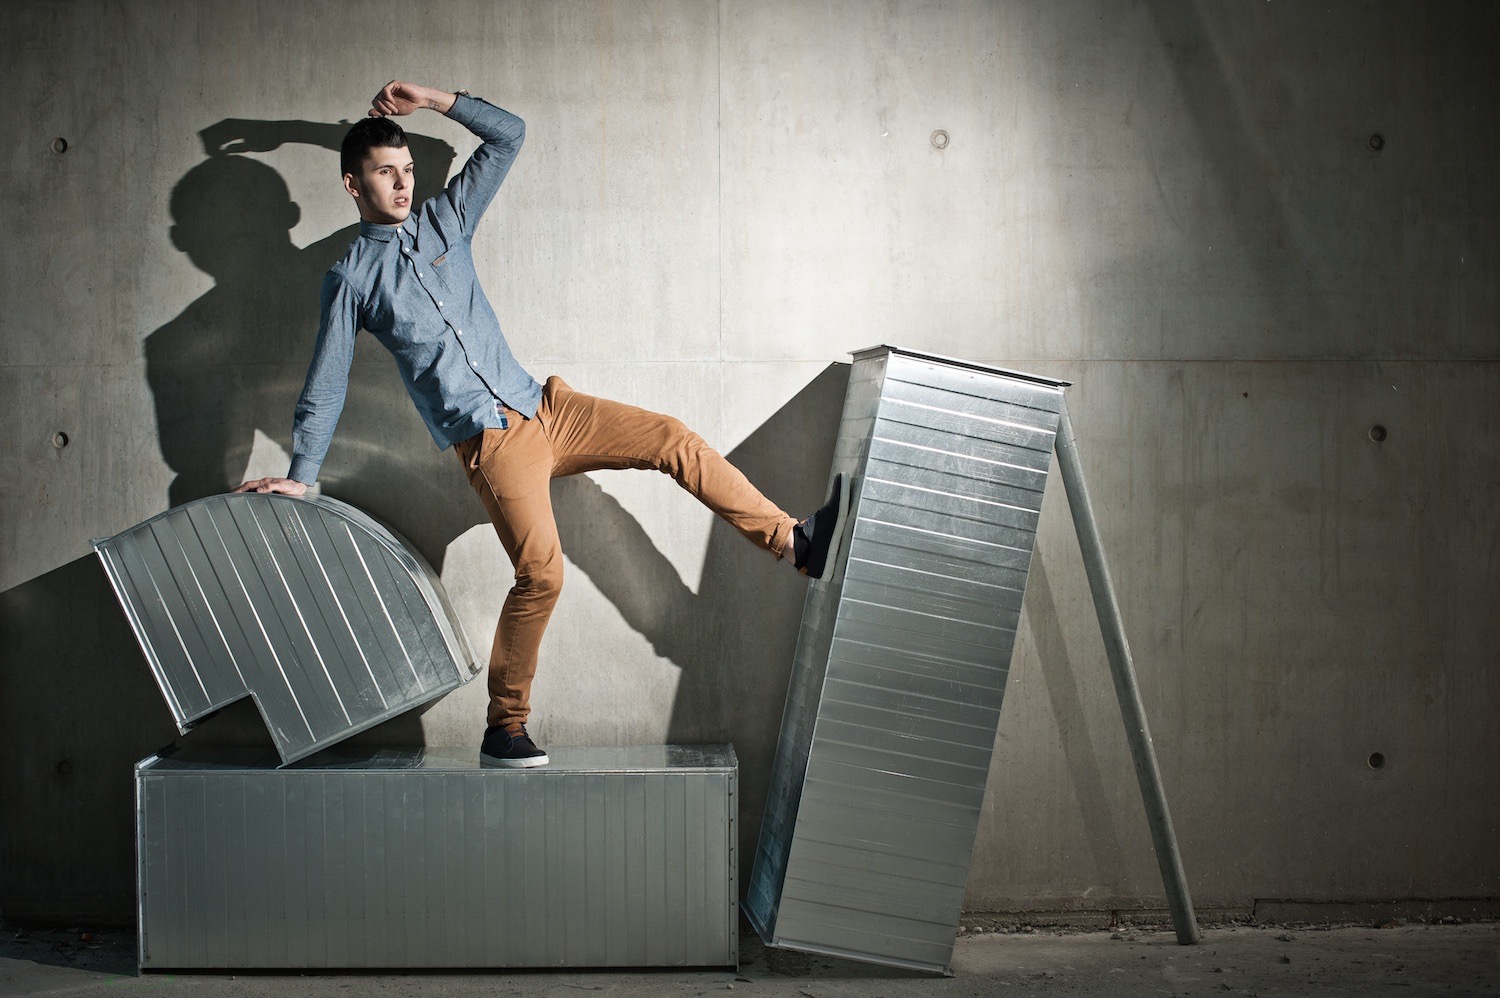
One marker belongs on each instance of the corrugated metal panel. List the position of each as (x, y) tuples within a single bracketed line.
[(331, 622), (901, 666), (423, 858)]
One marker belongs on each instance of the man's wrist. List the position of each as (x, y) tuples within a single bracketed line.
[(440, 101)]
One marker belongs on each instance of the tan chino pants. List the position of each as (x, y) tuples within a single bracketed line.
[(511, 470)]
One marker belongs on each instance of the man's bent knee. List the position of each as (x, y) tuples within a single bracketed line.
[(542, 582), (677, 446)]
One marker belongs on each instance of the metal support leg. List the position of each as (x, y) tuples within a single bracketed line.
[(1118, 649)]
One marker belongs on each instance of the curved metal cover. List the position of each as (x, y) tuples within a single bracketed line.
[(325, 617)]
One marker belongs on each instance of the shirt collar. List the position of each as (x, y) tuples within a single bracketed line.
[(384, 233)]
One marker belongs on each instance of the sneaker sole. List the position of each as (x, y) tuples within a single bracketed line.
[(489, 760), (831, 564)]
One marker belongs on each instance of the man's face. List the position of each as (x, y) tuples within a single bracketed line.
[(383, 187)]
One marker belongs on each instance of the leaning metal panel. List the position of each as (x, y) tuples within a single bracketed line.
[(902, 659), (330, 621), (608, 857)]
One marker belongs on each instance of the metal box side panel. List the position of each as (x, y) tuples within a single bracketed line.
[(805, 688), (327, 619), (429, 860), (924, 630)]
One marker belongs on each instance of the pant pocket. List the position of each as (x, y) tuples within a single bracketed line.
[(468, 453), (515, 462)]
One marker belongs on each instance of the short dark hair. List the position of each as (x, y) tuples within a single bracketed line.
[(367, 134)]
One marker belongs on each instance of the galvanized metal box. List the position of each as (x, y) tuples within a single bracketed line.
[(901, 663), (621, 857)]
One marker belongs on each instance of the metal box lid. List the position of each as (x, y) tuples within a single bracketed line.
[(322, 615), (593, 760), (959, 363)]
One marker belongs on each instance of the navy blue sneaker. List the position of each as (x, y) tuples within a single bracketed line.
[(515, 751), (815, 541)]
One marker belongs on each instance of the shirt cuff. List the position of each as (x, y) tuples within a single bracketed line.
[(304, 470), (462, 110)]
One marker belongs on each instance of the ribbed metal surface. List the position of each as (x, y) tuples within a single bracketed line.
[(901, 665), (330, 621), (422, 858)]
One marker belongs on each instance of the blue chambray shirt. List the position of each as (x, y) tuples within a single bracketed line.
[(413, 286)]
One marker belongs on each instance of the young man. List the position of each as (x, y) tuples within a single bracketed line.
[(409, 279)]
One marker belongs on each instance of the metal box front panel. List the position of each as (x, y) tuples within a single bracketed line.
[(330, 621), (923, 620), (422, 858)]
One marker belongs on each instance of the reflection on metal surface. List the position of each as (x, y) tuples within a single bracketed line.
[(326, 618), (423, 858), (896, 688)]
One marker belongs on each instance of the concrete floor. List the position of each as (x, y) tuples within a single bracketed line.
[(1239, 960)]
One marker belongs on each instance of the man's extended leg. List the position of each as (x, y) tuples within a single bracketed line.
[(591, 434)]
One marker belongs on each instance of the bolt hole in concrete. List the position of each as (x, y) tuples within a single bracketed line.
[(59, 440), (64, 767), (939, 139), (1377, 142), (1377, 433), (1377, 760), (59, 145)]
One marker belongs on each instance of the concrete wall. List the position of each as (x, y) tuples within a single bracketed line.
[(1178, 206)]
